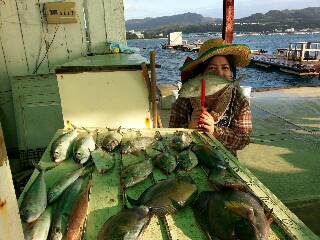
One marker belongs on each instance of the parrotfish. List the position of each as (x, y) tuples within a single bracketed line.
[(127, 224), (232, 214), (214, 83)]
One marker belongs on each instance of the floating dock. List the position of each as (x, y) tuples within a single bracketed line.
[(288, 66), (300, 58)]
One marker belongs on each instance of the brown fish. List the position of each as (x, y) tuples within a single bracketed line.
[(78, 214)]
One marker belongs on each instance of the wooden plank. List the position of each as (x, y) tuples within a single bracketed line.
[(153, 89), (32, 21), (56, 44), (9, 214), (4, 78), (95, 15), (75, 34), (114, 21), (10, 31)]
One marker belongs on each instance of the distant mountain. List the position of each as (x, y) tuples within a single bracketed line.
[(306, 15), (184, 19), (193, 22)]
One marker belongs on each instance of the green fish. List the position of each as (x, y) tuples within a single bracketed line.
[(166, 162), (135, 145), (167, 196), (187, 160), (220, 178), (214, 83), (136, 172), (104, 161), (209, 156), (128, 224), (181, 140), (61, 147)]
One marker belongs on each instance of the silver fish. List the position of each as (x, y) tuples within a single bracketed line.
[(62, 184), (112, 140), (59, 225), (40, 229), (83, 147), (214, 83), (61, 147), (35, 199)]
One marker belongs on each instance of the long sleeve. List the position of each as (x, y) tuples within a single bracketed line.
[(237, 135), (180, 113)]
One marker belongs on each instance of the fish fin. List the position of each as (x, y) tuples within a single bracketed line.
[(176, 204), (86, 129), (158, 135), (44, 168), (70, 125), (119, 129), (132, 201), (269, 216), (241, 209)]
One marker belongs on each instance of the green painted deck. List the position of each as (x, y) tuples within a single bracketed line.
[(106, 197)]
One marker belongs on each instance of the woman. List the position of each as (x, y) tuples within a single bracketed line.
[(227, 113)]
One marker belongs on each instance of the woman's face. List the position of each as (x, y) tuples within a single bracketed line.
[(219, 66)]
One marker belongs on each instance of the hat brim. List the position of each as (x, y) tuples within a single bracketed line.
[(241, 54)]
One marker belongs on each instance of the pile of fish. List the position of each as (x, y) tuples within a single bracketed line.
[(60, 210), (229, 211)]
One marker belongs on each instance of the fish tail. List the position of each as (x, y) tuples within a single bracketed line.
[(43, 169), (132, 201)]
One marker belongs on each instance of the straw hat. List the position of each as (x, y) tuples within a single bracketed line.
[(214, 47)]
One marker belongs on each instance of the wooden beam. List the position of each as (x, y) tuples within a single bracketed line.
[(228, 20), (153, 89), (10, 222)]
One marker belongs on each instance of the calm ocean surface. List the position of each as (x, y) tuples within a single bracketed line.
[(171, 60)]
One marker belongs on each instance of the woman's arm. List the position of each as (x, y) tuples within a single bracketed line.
[(180, 113), (237, 135)]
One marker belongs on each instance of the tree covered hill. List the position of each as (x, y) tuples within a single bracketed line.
[(193, 22), (184, 19)]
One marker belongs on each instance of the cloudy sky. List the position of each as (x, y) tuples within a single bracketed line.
[(208, 8)]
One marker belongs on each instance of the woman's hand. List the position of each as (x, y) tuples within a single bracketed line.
[(206, 122), (195, 117)]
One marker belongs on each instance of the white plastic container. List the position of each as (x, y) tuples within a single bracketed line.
[(246, 90), (175, 93)]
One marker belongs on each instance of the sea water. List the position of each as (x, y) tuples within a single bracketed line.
[(170, 60)]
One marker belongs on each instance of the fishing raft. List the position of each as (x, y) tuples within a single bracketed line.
[(108, 195)]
